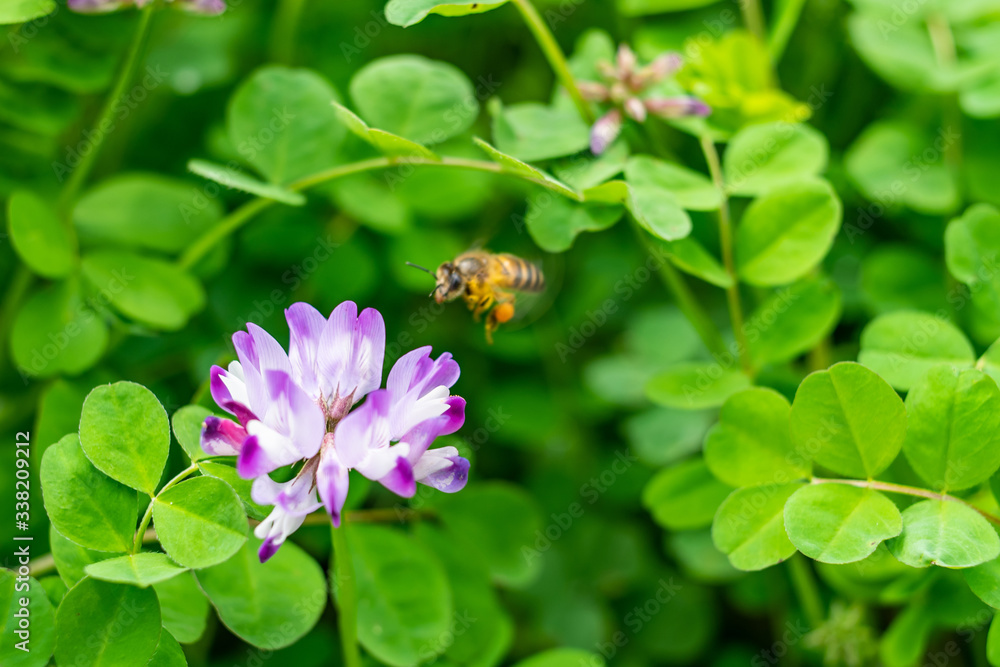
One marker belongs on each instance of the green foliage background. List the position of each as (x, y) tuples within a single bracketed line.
[(604, 436)]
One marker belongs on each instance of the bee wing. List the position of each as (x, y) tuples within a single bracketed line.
[(528, 307)]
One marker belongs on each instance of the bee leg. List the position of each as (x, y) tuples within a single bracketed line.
[(484, 303), (503, 312)]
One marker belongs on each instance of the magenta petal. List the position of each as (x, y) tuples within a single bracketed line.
[(455, 415), (332, 482), (267, 549), (400, 479), (423, 434), (253, 460), (222, 437), (220, 392)]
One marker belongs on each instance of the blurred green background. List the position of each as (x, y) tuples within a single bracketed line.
[(556, 405)]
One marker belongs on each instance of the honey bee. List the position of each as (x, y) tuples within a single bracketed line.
[(481, 278)]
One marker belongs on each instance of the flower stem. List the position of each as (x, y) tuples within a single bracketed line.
[(286, 23), (726, 242), (789, 12), (946, 54), (125, 76), (889, 487), (686, 300), (346, 597), (753, 17), (140, 534), (806, 590), (242, 215), (554, 54)]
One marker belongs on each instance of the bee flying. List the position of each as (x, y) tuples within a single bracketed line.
[(482, 279)]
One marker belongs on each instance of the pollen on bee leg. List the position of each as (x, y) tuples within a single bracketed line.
[(503, 312)]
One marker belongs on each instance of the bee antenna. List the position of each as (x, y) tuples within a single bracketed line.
[(417, 266)]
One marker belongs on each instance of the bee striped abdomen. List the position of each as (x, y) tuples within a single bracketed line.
[(522, 275)]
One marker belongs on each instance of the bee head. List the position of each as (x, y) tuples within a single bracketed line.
[(450, 283)]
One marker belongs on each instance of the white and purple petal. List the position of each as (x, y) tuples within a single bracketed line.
[(293, 501), (442, 469), (293, 414), (364, 430), (305, 326), (423, 434), (332, 483)]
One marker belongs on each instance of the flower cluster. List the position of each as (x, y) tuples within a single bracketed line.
[(300, 407), (624, 86), (206, 7)]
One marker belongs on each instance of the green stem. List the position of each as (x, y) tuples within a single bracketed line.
[(554, 54), (946, 54), (753, 18), (726, 243), (692, 309), (125, 76), (686, 300), (784, 25), (889, 487), (346, 595), (806, 590), (286, 23), (140, 534), (242, 215)]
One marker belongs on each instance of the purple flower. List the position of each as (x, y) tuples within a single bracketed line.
[(623, 88), (300, 406)]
